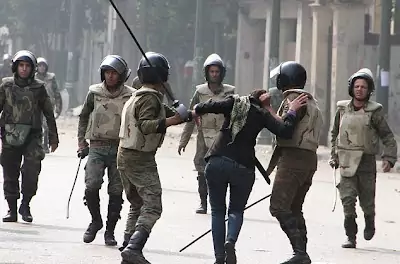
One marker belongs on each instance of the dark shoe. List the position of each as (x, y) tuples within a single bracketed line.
[(109, 238), (369, 230), (127, 237), (219, 261), (230, 253), (114, 209), (25, 212), (298, 258), (11, 215), (203, 192), (91, 231), (202, 209), (350, 243), (133, 252)]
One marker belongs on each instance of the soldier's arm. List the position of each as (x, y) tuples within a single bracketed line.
[(334, 134), (169, 111), (386, 135), (84, 116), (147, 110), (48, 112), (223, 106), (189, 126)]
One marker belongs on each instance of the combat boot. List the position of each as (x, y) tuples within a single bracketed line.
[(369, 230), (351, 229), (289, 226), (93, 203), (219, 261), (25, 210), (203, 192), (114, 209), (133, 252), (11, 215), (230, 253), (127, 237)]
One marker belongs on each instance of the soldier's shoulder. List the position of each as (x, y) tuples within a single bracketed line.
[(51, 75), (229, 88), (202, 88), (96, 88), (343, 103), (129, 88), (373, 106), (7, 80), (36, 83)]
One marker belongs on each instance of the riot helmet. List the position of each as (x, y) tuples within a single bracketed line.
[(116, 63), (44, 62), (214, 60), (155, 72), (365, 74), (289, 74), (27, 56)]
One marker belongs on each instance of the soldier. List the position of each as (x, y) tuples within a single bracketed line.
[(144, 122), (359, 124), (49, 79), (5, 70), (276, 100), (137, 85), (296, 159), (24, 101), (99, 122), (214, 73)]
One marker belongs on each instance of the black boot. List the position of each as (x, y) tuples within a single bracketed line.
[(369, 230), (230, 253), (289, 226), (203, 192), (93, 203), (127, 237), (25, 210), (351, 229), (133, 252), (11, 215), (219, 261), (301, 225), (114, 209)]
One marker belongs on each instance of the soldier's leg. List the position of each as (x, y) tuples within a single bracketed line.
[(200, 164), (348, 195), (31, 167), (136, 203), (149, 188), (297, 206), (94, 172), (287, 183), (115, 197), (11, 161), (367, 187)]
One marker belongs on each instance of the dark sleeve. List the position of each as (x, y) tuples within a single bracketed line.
[(223, 106), (334, 134), (84, 116), (282, 128), (47, 108), (169, 111)]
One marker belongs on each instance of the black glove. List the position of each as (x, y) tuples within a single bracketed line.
[(82, 153), (334, 163)]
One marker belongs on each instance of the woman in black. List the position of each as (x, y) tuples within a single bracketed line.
[(231, 159)]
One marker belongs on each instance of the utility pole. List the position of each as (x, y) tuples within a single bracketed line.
[(198, 44), (73, 54), (275, 20), (382, 93)]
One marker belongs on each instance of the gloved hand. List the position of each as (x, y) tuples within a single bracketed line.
[(180, 148), (83, 149), (334, 163)]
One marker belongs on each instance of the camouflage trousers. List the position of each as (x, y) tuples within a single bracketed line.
[(201, 151), (363, 185), (100, 158), (11, 158), (142, 187), (289, 191)]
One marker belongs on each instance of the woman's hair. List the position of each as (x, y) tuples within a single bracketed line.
[(255, 96)]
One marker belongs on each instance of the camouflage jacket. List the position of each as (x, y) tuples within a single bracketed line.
[(26, 104), (379, 123), (50, 80)]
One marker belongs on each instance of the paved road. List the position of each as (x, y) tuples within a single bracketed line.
[(51, 238)]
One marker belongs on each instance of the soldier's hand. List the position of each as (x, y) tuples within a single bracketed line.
[(174, 120), (334, 163), (82, 153), (180, 148), (299, 102), (386, 166), (53, 147)]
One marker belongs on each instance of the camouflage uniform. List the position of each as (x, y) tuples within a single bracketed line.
[(137, 85), (355, 142), (276, 100), (296, 159), (23, 102), (139, 142), (52, 90), (99, 122)]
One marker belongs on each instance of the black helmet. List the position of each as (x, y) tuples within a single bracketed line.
[(155, 72), (116, 63), (27, 56), (214, 60), (289, 74), (365, 74), (43, 61)]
